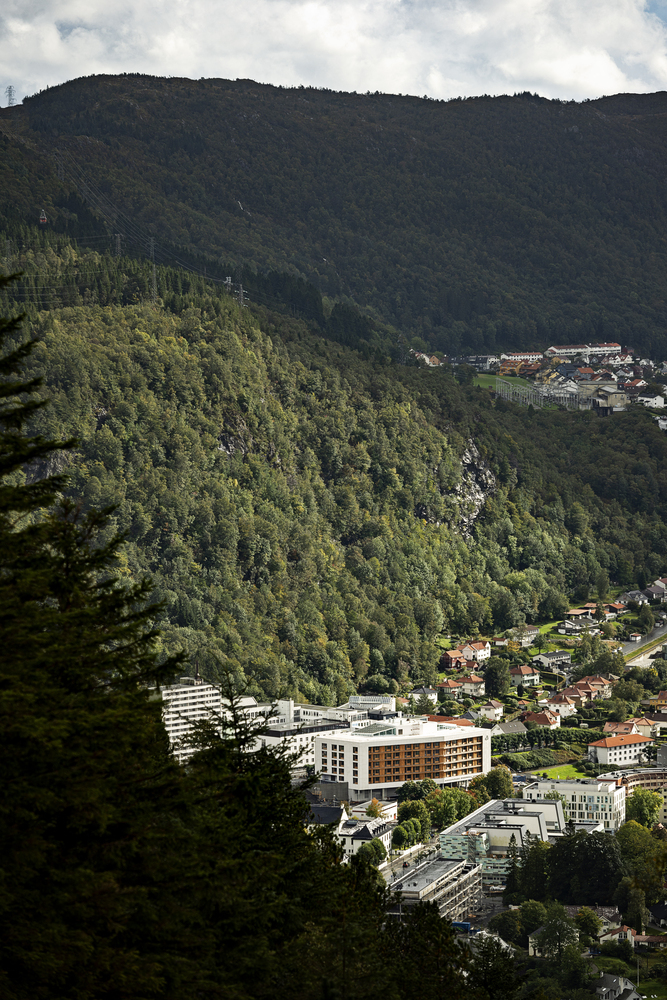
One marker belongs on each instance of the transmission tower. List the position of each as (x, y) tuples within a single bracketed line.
[(118, 239), (9, 93), (154, 286), (9, 256)]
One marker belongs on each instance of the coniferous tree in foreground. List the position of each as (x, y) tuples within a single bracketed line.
[(122, 875)]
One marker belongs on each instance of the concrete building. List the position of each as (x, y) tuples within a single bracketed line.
[(653, 778), (185, 704), (598, 800), (486, 834), (454, 886), (620, 750), (376, 760)]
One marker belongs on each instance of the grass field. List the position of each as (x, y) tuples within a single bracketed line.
[(489, 381), (561, 771)]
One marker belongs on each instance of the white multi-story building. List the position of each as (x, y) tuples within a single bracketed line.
[(374, 761), (600, 800), (185, 704), (620, 750)]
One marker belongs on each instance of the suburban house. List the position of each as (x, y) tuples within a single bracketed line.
[(621, 728), (620, 933), (547, 719), (633, 595), (422, 692), (451, 688), (355, 833), (561, 703), (645, 727), (493, 710), (514, 728), (526, 635), (557, 658), (322, 814), (477, 651), (618, 750), (656, 594), (453, 659), (528, 676), (473, 686), (611, 987)]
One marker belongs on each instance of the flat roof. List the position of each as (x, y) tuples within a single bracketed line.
[(419, 880)]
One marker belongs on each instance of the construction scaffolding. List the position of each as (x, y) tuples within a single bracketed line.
[(540, 396)]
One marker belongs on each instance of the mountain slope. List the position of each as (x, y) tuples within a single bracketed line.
[(313, 520), (470, 224)]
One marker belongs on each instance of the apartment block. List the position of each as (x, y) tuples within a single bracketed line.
[(185, 704), (375, 760), (600, 800)]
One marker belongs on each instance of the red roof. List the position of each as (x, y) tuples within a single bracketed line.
[(524, 670), (621, 741), (473, 679)]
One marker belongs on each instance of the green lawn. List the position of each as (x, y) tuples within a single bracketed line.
[(561, 771)]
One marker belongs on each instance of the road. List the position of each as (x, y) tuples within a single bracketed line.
[(642, 659)]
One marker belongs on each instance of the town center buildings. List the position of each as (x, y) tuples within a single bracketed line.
[(375, 760)]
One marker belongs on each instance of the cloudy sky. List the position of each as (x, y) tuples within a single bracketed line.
[(443, 48)]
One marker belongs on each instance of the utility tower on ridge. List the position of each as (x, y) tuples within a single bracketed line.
[(9, 93)]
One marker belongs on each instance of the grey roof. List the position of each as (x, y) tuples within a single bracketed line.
[(326, 814), (512, 727)]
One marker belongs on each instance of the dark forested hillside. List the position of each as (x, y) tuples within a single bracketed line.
[(470, 224), (313, 517)]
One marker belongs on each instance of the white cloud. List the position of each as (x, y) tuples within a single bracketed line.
[(444, 48)]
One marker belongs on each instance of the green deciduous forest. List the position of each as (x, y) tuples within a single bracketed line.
[(313, 516), (467, 225)]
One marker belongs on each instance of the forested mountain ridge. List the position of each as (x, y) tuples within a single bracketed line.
[(472, 224), (311, 518)]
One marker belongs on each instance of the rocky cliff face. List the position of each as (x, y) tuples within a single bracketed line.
[(477, 483)]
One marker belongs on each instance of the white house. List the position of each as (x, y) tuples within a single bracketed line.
[(525, 674), (473, 686), (421, 692), (562, 704), (493, 710), (651, 400), (355, 833), (477, 651)]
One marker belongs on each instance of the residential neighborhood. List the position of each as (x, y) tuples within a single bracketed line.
[(539, 739)]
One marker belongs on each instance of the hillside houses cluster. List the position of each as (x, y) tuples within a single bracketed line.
[(601, 376)]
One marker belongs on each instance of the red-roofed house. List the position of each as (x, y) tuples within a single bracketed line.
[(528, 676), (548, 719), (477, 651), (645, 727), (451, 689), (621, 729), (453, 659), (473, 686), (561, 703), (618, 750)]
